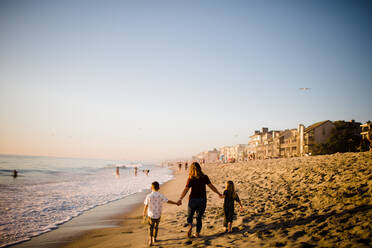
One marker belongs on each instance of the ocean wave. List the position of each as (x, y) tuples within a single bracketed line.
[(28, 210)]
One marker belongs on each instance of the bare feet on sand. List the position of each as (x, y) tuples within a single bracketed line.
[(151, 239), (189, 232), (196, 235)]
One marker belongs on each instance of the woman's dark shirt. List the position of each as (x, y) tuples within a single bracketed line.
[(197, 186)]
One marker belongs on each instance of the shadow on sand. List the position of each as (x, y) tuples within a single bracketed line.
[(265, 229)]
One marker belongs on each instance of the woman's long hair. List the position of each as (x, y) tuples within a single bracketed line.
[(230, 189), (195, 170)]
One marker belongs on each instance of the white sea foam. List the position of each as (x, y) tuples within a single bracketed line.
[(27, 210)]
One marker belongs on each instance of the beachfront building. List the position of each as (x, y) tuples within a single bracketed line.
[(301, 141), (230, 154), (276, 144), (366, 133), (315, 134), (239, 152), (355, 127), (247, 153), (213, 155), (233, 153), (208, 156), (263, 144), (267, 148), (294, 142), (289, 143), (253, 143), (272, 144), (224, 151)]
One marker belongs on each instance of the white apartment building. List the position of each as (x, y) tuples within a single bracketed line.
[(236, 152)]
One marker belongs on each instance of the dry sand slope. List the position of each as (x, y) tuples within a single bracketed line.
[(320, 201)]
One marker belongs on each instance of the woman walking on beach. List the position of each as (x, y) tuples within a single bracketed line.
[(198, 196)]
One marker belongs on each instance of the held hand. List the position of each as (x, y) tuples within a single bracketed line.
[(179, 203), (221, 196)]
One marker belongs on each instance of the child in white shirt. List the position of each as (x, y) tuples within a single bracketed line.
[(153, 205)]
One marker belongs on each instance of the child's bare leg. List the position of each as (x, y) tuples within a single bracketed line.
[(225, 223), (156, 230), (151, 232), (189, 232), (150, 241), (230, 226)]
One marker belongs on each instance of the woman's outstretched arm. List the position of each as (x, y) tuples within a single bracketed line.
[(215, 190), (184, 192)]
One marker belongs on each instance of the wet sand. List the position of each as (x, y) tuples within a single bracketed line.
[(320, 201), (105, 216)]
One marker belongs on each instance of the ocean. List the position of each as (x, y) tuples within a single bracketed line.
[(50, 191)]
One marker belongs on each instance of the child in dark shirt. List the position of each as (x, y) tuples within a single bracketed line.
[(230, 196)]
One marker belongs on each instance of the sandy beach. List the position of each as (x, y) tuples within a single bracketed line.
[(320, 201)]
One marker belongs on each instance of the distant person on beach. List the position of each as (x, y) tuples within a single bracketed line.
[(15, 173), (186, 166), (230, 196), (197, 181), (117, 172), (179, 167), (152, 210), (135, 171)]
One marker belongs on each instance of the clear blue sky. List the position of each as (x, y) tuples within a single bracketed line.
[(152, 80)]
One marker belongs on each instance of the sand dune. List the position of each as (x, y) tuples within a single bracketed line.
[(320, 201)]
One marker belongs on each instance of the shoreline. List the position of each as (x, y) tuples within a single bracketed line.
[(131, 230), (109, 215)]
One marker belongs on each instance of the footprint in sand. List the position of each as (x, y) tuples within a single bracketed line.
[(298, 234), (280, 244), (98, 236)]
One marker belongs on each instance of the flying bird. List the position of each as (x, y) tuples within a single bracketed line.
[(304, 88)]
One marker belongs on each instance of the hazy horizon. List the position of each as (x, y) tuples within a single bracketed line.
[(149, 81)]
